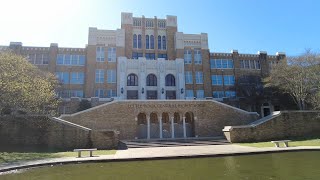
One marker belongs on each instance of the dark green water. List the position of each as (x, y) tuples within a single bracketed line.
[(287, 166)]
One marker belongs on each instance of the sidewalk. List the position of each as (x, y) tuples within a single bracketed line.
[(152, 153)]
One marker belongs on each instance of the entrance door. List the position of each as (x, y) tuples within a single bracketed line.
[(132, 94), (152, 95), (170, 94)]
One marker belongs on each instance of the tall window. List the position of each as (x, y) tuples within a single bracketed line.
[(136, 55), (132, 80), (151, 80), (99, 75), (188, 75), (111, 76), (230, 94), (164, 56), (147, 41), (135, 41), (187, 56), (100, 54), (228, 80), (139, 41), (63, 77), (159, 42), (99, 93), (112, 54), (200, 93), (164, 42), (170, 80), (197, 56), (250, 64), (151, 42), (77, 78), (216, 79), (150, 56), (199, 77), (39, 59), (189, 93)]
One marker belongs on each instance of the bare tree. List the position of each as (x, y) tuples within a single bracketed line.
[(299, 77)]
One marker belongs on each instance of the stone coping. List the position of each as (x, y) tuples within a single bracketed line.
[(139, 154)]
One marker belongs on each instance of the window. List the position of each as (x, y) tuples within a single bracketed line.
[(136, 22), (99, 93), (38, 59), (228, 80), (164, 56), (216, 79), (200, 93), (230, 94), (60, 59), (164, 43), (151, 42), (63, 77), (132, 80), (170, 80), (159, 42), (189, 93), (149, 23), (197, 56), (77, 78), (99, 76), (150, 56), (199, 77), (218, 94), (70, 93), (250, 64), (136, 55), (161, 23), (221, 64), (135, 41), (112, 54), (147, 41), (111, 76), (187, 56), (139, 41), (111, 93), (100, 54), (151, 80), (188, 75), (70, 60)]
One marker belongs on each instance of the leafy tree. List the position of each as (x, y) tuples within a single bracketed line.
[(24, 87), (299, 77), (84, 104)]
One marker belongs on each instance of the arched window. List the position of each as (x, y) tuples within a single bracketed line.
[(151, 42), (164, 43), (139, 41), (134, 41), (170, 80), (147, 41), (159, 42), (132, 80), (151, 80)]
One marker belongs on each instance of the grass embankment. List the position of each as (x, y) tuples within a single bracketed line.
[(6, 157), (293, 143)]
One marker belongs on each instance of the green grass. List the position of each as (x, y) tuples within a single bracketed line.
[(293, 143), (6, 157)]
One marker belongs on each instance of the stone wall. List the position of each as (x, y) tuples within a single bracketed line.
[(42, 132), (289, 124), (209, 116)]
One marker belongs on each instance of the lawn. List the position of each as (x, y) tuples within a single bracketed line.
[(6, 157), (293, 143)]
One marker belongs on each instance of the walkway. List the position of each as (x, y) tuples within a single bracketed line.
[(157, 152)]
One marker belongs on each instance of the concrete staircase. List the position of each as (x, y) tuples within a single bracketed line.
[(125, 144)]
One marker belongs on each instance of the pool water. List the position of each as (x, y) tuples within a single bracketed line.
[(288, 165)]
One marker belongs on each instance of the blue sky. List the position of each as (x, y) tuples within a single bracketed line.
[(246, 25)]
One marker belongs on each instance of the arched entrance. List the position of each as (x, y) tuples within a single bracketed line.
[(266, 109), (189, 124), (154, 126), (142, 126), (178, 126), (166, 131)]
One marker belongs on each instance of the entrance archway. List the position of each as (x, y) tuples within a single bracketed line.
[(142, 126), (166, 127), (154, 126), (189, 124), (178, 126)]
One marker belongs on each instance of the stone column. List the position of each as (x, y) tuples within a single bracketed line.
[(184, 127), (172, 127), (148, 127), (160, 126)]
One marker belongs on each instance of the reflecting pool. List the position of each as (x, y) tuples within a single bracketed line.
[(289, 165)]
